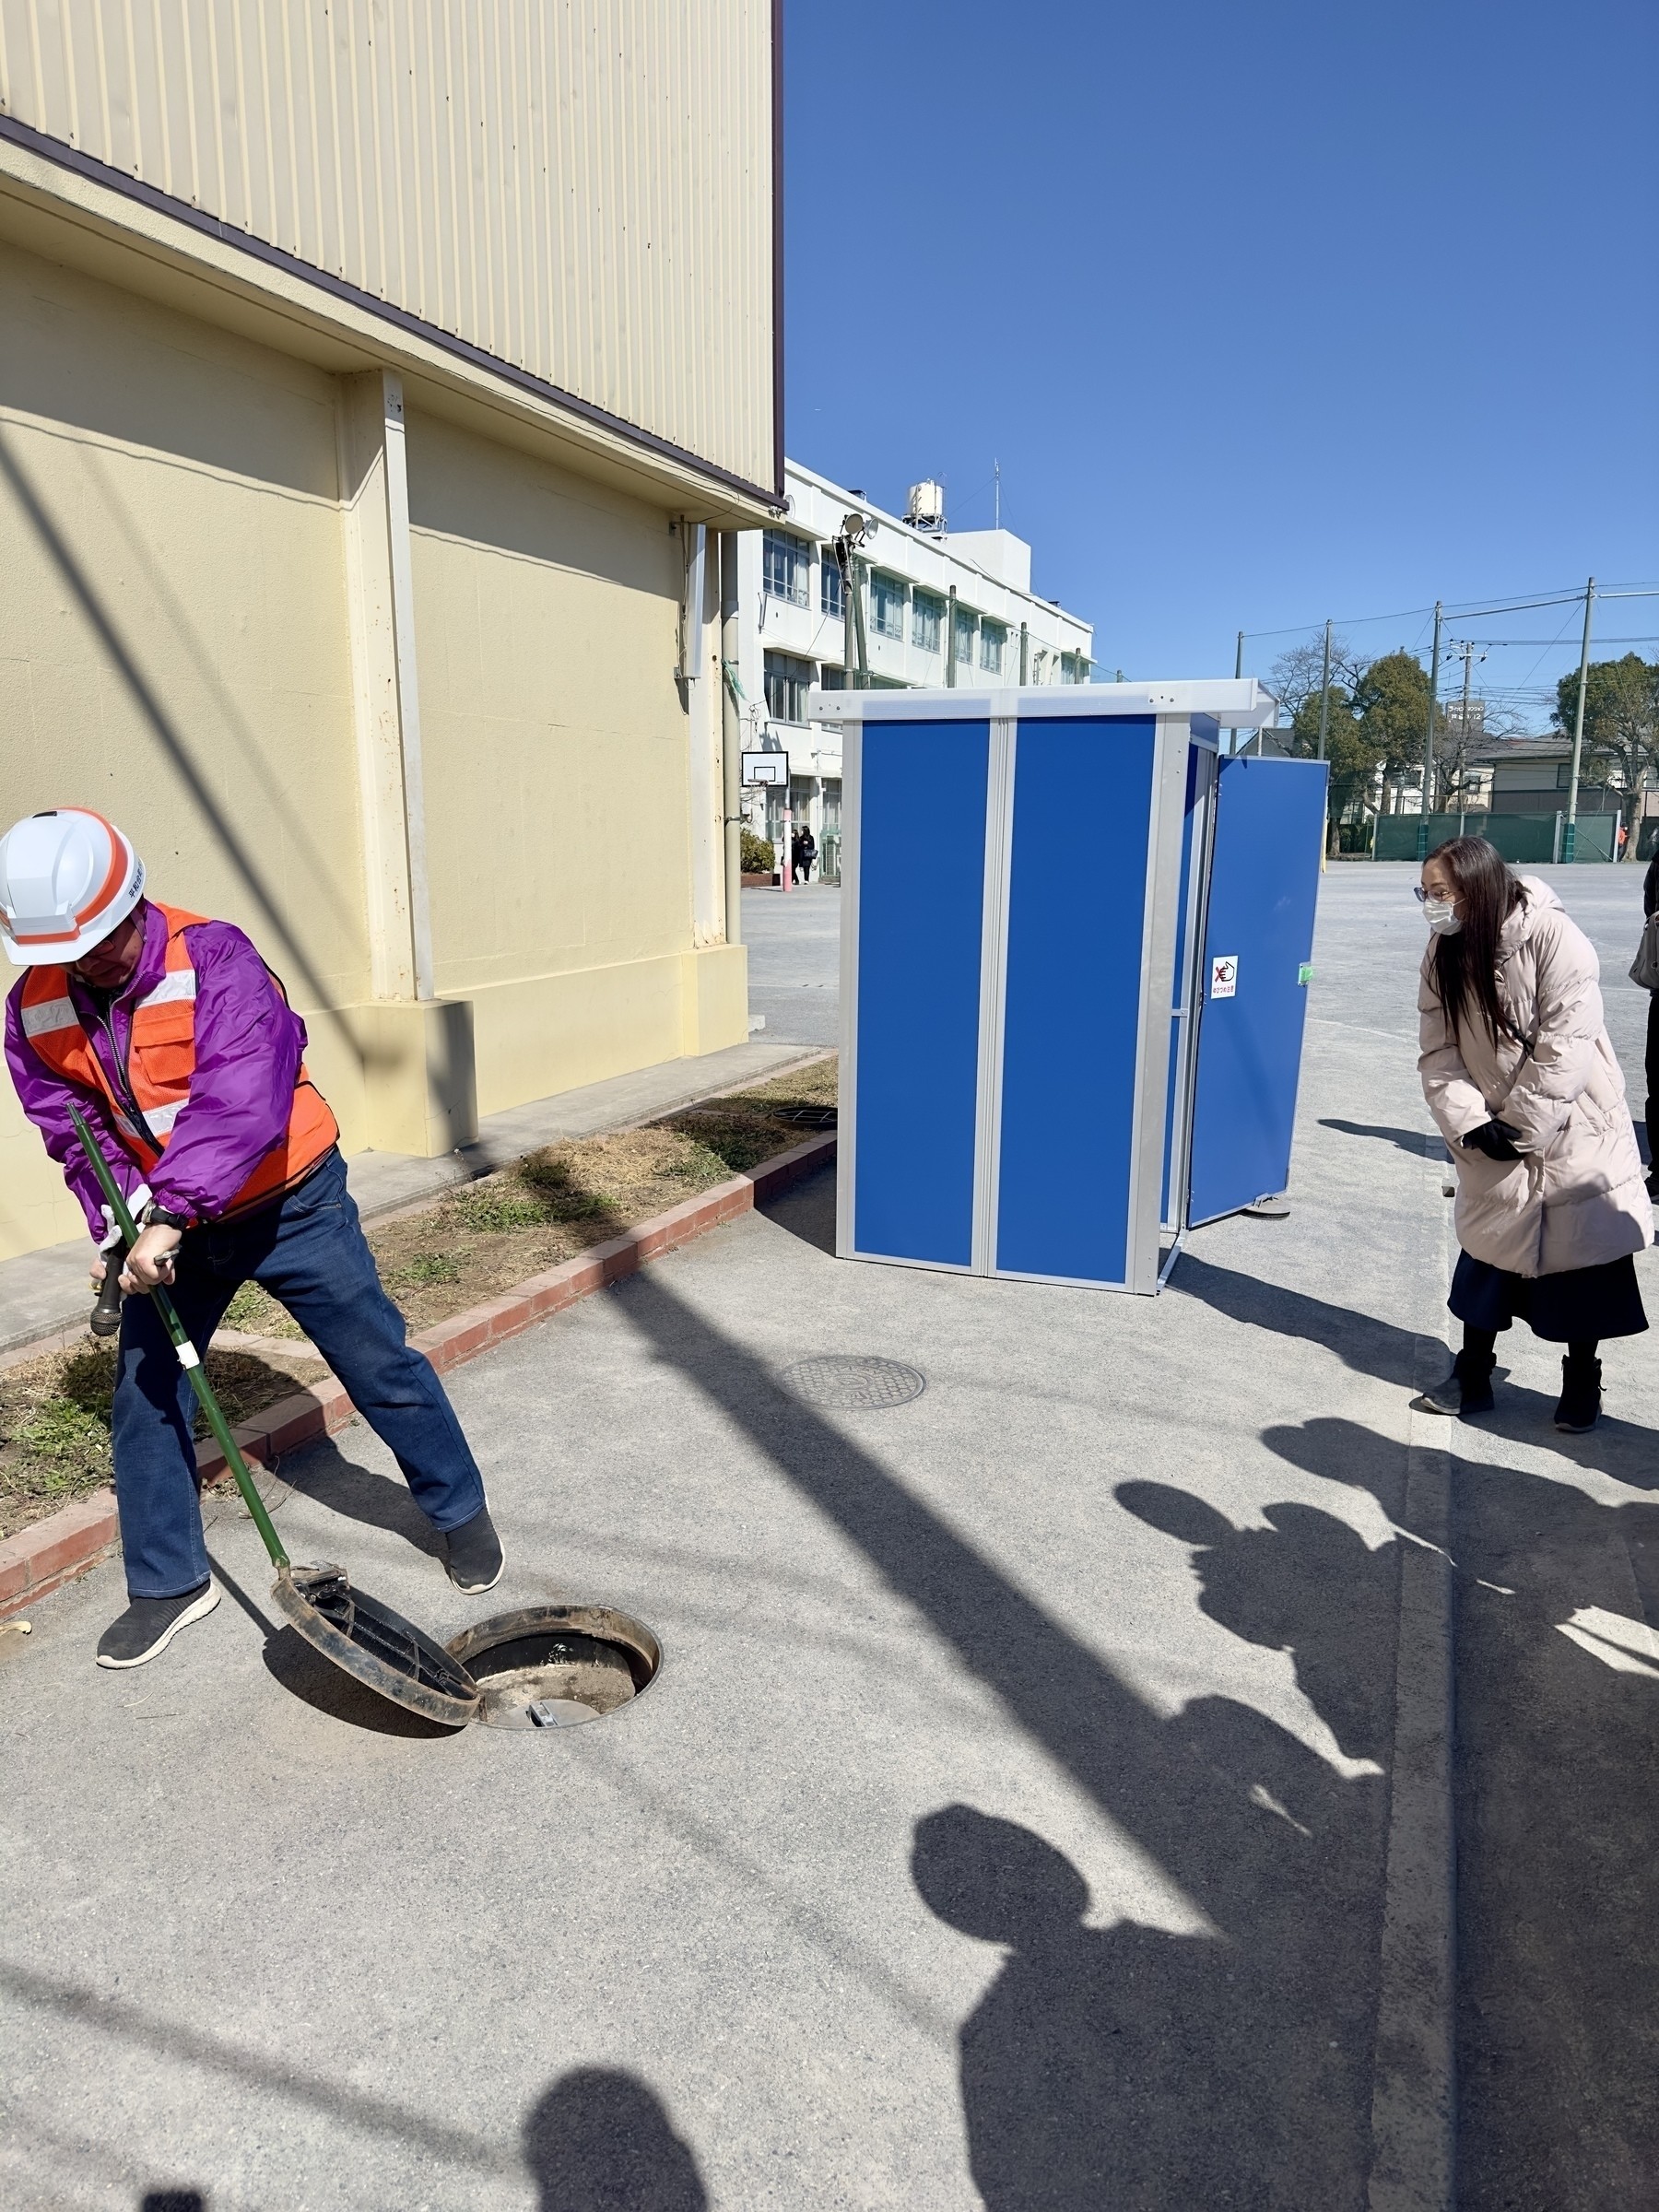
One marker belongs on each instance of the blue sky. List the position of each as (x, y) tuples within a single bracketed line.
[(1267, 313)]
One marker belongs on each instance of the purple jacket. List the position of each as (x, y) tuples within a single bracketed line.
[(248, 1049)]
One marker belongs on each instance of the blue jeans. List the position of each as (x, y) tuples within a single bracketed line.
[(308, 1250)]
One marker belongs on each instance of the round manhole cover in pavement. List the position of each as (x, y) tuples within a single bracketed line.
[(845, 1382)]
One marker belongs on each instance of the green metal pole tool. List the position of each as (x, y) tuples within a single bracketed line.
[(360, 1634), (190, 1359)]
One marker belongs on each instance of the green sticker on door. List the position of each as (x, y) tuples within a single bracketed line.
[(1304, 974)]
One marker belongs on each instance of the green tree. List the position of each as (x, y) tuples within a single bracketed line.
[(1621, 724), (1353, 763), (1391, 704)]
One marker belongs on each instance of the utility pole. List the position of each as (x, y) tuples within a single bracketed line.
[(1469, 658), (1570, 835), (1324, 692), (1428, 738)]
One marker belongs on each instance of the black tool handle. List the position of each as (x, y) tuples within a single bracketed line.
[(106, 1313)]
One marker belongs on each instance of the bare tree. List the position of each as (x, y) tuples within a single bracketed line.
[(1295, 676)]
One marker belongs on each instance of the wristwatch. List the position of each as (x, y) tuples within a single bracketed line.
[(163, 1216)]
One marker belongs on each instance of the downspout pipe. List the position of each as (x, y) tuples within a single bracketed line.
[(731, 738)]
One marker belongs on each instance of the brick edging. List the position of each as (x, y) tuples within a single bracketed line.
[(40, 1559)]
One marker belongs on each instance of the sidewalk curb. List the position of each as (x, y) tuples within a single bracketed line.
[(1414, 2101), (41, 1557)]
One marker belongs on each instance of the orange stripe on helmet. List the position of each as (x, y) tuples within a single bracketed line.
[(111, 882)]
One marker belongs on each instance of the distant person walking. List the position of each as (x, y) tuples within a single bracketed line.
[(803, 854), (1518, 1074)]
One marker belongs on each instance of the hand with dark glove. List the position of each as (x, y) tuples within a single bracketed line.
[(1495, 1139)]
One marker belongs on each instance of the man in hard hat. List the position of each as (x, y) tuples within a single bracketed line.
[(177, 1044)]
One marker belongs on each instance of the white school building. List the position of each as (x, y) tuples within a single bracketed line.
[(939, 607)]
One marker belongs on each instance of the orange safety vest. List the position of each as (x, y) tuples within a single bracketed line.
[(160, 1062)]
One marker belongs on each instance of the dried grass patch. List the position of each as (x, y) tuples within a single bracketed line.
[(54, 1420), (469, 1247)]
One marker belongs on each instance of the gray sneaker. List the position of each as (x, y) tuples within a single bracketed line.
[(149, 1624), (473, 1554)]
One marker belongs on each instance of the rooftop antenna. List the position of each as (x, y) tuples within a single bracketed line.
[(996, 479)]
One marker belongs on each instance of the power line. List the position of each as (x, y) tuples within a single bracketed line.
[(1472, 607)]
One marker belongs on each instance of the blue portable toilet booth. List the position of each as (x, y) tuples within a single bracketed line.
[(1075, 941)]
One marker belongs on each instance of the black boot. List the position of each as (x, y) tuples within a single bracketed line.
[(1580, 1393), (1466, 1390)]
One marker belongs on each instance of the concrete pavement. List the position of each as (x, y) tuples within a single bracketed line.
[(793, 939), (1011, 1822)]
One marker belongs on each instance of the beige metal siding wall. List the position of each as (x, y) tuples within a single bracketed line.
[(580, 188)]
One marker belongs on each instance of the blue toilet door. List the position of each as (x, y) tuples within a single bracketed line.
[(1258, 945)]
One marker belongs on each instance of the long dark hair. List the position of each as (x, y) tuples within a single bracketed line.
[(1466, 964)]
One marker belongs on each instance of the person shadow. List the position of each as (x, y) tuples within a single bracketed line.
[(1309, 1585), (599, 2140), (1127, 2066), (1556, 1659)]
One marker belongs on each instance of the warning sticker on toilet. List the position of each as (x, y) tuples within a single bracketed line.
[(1224, 975)]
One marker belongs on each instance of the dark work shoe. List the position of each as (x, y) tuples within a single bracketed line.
[(474, 1555), (1466, 1390), (149, 1624), (1580, 1395)]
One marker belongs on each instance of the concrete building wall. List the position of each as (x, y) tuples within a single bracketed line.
[(556, 766), (186, 643), (582, 189), (173, 642)]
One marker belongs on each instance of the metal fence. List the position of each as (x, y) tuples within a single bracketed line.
[(1519, 837)]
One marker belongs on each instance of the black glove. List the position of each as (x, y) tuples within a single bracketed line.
[(1495, 1139)]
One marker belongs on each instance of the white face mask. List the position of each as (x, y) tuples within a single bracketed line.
[(1441, 917)]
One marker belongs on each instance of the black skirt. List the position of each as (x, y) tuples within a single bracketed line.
[(1584, 1303)]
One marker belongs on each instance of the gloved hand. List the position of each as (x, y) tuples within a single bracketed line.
[(112, 1236), (136, 1202), (1495, 1139)]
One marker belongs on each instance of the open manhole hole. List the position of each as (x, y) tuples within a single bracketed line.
[(556, 1666), (845, 1382)]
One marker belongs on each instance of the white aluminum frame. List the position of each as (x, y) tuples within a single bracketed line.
[(1233, 703)]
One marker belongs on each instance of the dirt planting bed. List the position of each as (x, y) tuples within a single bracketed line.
[(465, 1247)]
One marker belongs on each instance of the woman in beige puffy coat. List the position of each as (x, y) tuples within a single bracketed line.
[(1518, 1074)]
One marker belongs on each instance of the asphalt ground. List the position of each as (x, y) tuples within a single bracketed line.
[(1011, 1820)]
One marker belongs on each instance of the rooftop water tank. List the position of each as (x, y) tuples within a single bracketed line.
[(927, 508)]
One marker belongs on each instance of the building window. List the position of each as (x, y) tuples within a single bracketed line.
[(964, 637), (831, 592), (787, 684), (831, 678), (926, 613), (783, 567), (993, 636), (886, 601)]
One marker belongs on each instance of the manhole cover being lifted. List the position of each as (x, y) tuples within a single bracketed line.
[(846, 1383), (556, 1666)]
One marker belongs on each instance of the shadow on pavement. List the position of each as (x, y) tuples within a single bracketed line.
[(1422, 1143), (1556, 1596), (172, 2200), (806, 1210), (1359, 1340), (322, 1473), (1308, 1583), (1231, 2067), (599, 2141)]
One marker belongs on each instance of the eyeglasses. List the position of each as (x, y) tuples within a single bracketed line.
[(1419, 893)]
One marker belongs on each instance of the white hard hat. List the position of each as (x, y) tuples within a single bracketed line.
[(67, 879)]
